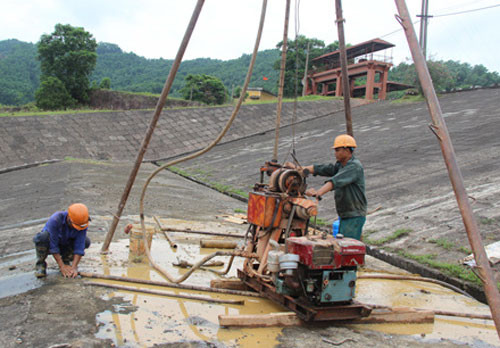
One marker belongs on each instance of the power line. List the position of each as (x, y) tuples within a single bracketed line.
[(398, 30), (467, 11)]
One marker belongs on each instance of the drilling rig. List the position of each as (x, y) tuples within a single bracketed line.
[(311, 273)]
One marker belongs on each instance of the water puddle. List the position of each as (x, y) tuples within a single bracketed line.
[(145, 319), (18, 283), (428, 296)]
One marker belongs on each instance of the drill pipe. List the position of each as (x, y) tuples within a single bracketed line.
[(163, 293), (169, 285)]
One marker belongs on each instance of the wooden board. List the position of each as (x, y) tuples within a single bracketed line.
[(402, 315), (228, 284), (394, 315), (260, 320)]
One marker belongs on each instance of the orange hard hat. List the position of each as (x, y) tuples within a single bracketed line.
[(79, 216), (344, 140)]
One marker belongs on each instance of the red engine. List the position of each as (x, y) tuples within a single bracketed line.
[(329, 253)]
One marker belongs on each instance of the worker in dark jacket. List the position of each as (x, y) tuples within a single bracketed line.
[(347, 179), (65, 237)]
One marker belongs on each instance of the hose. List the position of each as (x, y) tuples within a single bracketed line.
[(210, 146)]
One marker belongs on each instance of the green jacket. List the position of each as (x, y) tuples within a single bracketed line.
[(348, 184)]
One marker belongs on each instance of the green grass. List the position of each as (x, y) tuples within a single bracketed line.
[(454, 270), (178, 170), (84, 160), (486, 221), (50, 113), (397, 234), (240, 211), (289, 100), (465, 250), (409, 99), (319, 222), (215, 185), (443, 243), (228, 189)]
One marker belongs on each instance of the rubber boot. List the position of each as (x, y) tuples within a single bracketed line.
[(41, 265)]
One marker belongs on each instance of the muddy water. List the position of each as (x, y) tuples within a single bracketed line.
[(144, 320), (427, 296)]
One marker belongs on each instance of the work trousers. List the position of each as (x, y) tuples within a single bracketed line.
[(352, 227), (42, 239)]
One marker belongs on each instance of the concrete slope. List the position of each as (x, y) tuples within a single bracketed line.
[(406, 177), (118, 135)]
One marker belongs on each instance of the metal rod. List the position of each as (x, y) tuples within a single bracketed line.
[(343, 64), (170, 241), (163, 293), (439, 125), (169, 285), (152, 125), (281, 81), (202, 232)]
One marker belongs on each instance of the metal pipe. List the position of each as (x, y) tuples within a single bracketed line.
[(343, 64), (281, 82), (152, 125), (440, 130), (169, 285), (170, 241), (201, 232), (163, 293)]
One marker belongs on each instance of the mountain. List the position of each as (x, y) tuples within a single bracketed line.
[(20, 71)]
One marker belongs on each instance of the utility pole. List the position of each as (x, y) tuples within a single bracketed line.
[(423, 27)]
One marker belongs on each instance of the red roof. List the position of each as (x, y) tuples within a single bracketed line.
[(356, 50)]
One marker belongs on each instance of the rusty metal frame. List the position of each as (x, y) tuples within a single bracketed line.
[(305, 311), (439, 128)]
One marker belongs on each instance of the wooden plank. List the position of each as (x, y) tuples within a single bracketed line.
[(395, 315), (229, 284), (218, 243), (402, 315), (260, 320)]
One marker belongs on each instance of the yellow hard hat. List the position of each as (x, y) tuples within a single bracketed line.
[(79, 216), (344, 140)]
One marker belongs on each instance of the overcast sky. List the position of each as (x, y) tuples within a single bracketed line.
[(227, 28)]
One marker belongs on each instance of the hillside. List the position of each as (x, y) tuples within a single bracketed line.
[(20, 71)]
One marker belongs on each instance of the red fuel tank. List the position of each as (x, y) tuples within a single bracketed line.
[(330, 253)]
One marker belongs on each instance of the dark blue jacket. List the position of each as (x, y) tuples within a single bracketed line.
[(62, 235)]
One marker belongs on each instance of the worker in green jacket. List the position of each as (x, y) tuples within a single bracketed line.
[(347, 179)]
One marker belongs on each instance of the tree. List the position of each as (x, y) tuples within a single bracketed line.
[(204, 88), (53, 95), (105, 83), (68, 54), (296, 56)]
